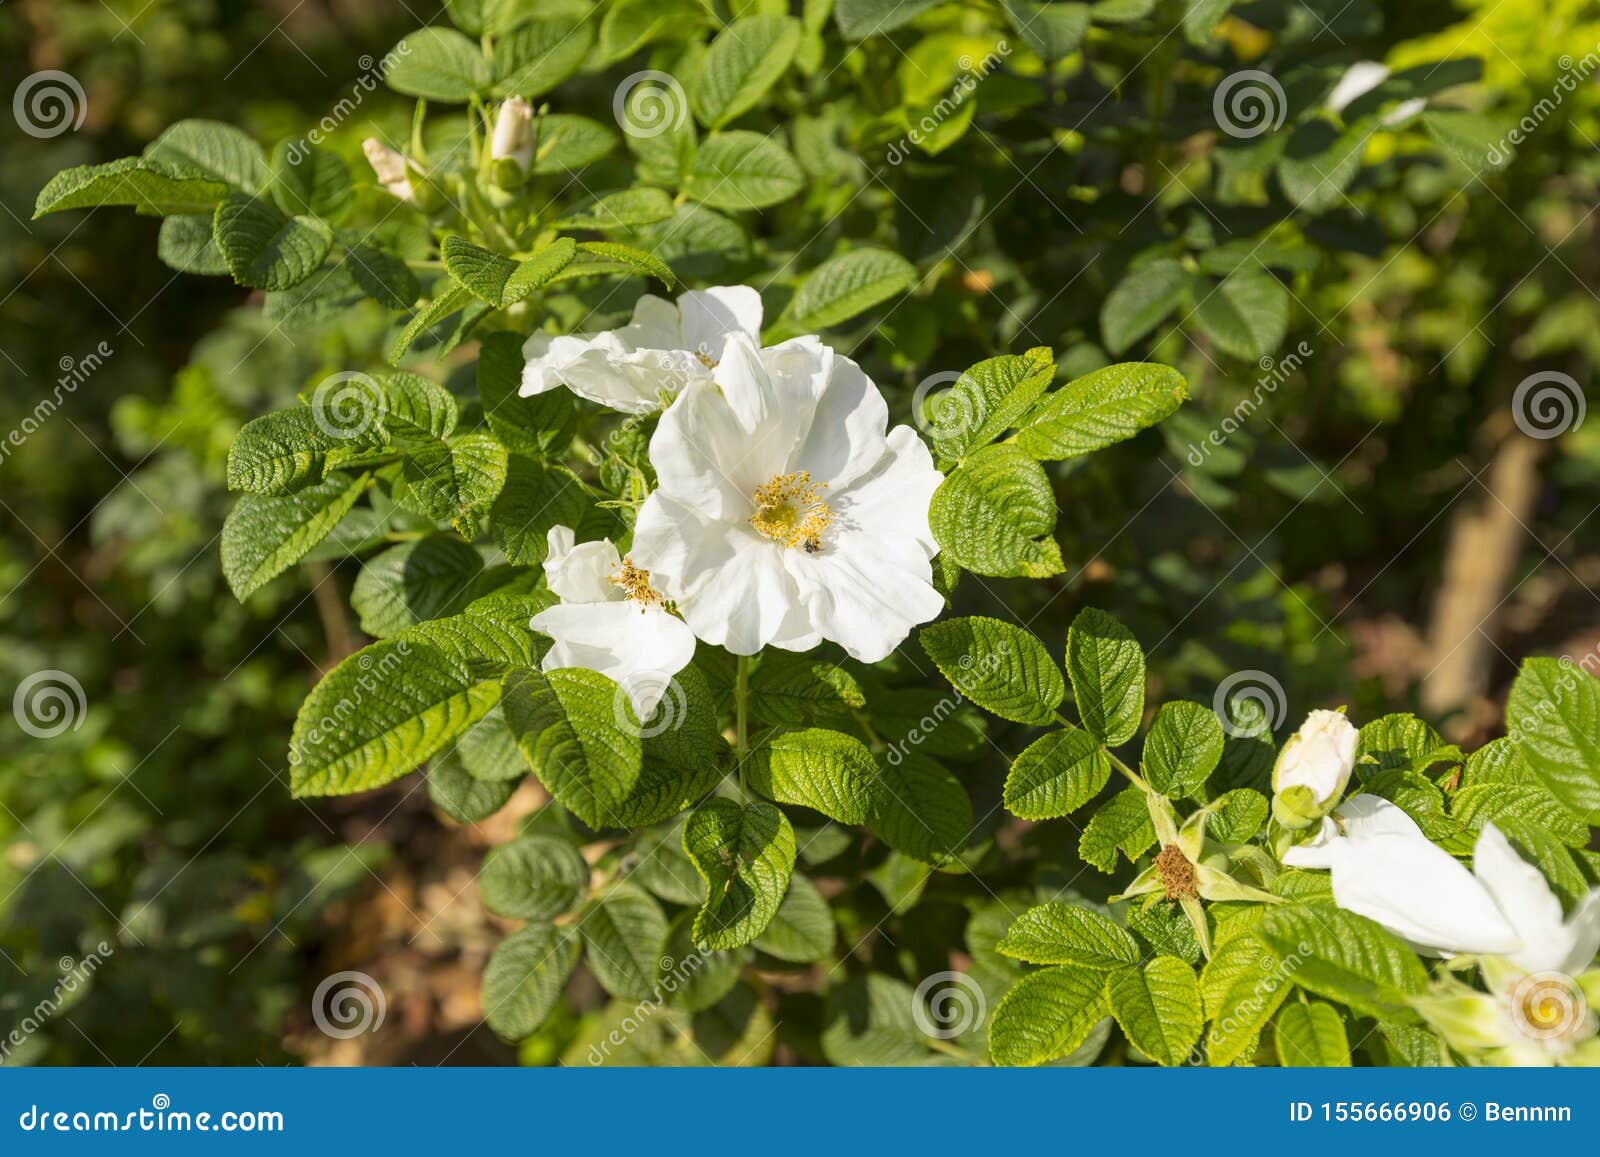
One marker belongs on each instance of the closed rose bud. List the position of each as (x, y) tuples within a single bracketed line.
[(390, 167), (511, 148), (1313, 769)]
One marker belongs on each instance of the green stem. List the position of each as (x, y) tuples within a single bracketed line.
[(1133, 776), (741, 718)]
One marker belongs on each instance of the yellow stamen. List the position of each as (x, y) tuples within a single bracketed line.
[(635, 583), (706, 359), (790, 510)]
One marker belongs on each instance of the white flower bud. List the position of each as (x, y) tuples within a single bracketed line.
[(390, 167), (1313, 768), (513, 133)]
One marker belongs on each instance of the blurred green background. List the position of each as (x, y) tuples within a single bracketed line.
[(1425, 544)]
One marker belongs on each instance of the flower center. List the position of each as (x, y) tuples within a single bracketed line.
[(790, 510), (635, 583), (706, 359), (1549, 1006), (1177, 873)]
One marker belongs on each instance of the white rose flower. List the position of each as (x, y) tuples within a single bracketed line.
[(786, 514), (1384, 868), (1313, 768), (611, 620), (666, 346)]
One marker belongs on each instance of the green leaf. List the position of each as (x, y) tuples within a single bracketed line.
[(802, 929), (1553, 715), (1243, 984), (1100, 409), (1053, 31), (859, 19), (1238, 815), (691, 977), (1531, 803), (1401, 742), (456, 482), (397, 703), (627, 209), (1047, 1014), (532, 426), (412, 582), (1183, 748), (793, 690), (264, 535), (499, 280), (567, 143), (742, 170), (380, 274), (151, 187), (849, 284), (534, 499), (987, 400), (462, 796), (1346, 958), (525, 977), (1058, 933), (745, 853), (214, 149), (1002, 668), (186, 244), (437, 64), (1141, 301), (1122, 824), (532, 59), (277, 452), (577, 732), (1246, 315), (1311, 1035), (995, 515), (624, 931), (629, 25), (743, 62), (919, 808), (1106, 666), (309, 180), (632, 259), (266, 250), (1056, 775), (1158, 1007), (533, 878), (869, 1021), (827, 771), (1319, 163)]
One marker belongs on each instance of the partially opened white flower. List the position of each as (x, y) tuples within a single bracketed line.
[(1313, 768), (1384, 868), (666, 346), (611, 620), (787, 512), (1528, 1018)]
